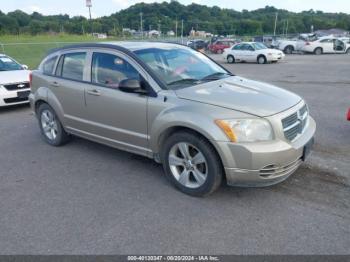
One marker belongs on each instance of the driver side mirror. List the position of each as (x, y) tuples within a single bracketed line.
[(132, 86)]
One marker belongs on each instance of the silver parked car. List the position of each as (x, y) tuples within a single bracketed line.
[(177, 106)]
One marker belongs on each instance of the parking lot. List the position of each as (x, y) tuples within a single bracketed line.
[(86, 198)]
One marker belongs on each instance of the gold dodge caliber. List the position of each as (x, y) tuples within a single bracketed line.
[(177, 106)]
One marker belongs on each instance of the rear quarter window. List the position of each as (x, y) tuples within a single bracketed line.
[(49, 65)]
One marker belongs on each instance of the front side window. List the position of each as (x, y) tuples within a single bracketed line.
[(181, 67), (8, 64), (109, 70), (49, 65), (71, 66)]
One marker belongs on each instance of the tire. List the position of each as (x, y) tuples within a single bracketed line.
[(51, 127), (261, 59), (231, 59), (318, 51), (219, 51), (348, 51), (289, 50), (199, 179)]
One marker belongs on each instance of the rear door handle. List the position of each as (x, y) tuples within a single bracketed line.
[(94, 92), (54, 83)]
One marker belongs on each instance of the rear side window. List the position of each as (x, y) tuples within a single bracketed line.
[(71, 66), (109, 70), (237, 47), (49, 65)]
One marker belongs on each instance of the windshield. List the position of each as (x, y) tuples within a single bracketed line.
[(181, 67), (7, 64), (259, 46)]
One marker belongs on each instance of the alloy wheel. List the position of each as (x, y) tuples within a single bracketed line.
[(49, 124), (188, 165)]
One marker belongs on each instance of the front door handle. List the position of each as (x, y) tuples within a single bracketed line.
[(94, 92), (54, 83)]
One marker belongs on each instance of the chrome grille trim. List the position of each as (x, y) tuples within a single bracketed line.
[(16, 86), (275, 171), (294, 124)]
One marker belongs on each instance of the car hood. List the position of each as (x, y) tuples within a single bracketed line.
[(273, 51), (15, 76), (243, 95)]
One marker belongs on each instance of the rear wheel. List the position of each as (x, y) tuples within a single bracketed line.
[(231, 59), (192, 164), (318, 51), (51, 127), (289, 50), (262, 59)]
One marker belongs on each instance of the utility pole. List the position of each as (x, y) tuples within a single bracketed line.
[(176, 28), (274, 31), (287, 28), (89, 5), (182, 31), (141, 24)]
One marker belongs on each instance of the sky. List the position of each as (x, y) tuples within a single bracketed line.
[(106, 7)]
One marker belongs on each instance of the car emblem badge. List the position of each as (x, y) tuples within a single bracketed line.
[(20, 86)]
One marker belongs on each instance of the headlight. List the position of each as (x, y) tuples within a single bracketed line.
[(246, 130)]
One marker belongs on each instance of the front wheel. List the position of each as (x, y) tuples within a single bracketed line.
[(51, 127), (348, 51), (192, 164), (262, 60)]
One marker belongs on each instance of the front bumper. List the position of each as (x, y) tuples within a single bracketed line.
[(276, 57), (8, 98), (264, 163)]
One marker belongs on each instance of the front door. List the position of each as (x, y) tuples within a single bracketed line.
[(115, 117)]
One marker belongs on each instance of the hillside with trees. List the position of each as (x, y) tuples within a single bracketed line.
[(164, 15)]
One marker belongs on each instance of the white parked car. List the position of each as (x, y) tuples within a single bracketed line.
[(326, 45), (252, 52), (14, 82)]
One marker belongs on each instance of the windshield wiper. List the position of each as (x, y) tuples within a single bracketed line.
[(185, 81), (215, 76)]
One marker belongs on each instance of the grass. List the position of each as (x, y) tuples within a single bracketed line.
[(30, 50)]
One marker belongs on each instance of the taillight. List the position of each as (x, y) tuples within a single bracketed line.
[(348, 115), (30, 79)]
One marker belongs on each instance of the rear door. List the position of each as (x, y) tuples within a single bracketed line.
[(68, 87), (238, 52), (116, 117)]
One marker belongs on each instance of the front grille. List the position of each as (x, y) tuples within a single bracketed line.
[(15, 100), (17, 86), (294, 124), (273, 171)]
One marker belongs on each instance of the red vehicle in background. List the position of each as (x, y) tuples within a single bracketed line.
[(218, 46)]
